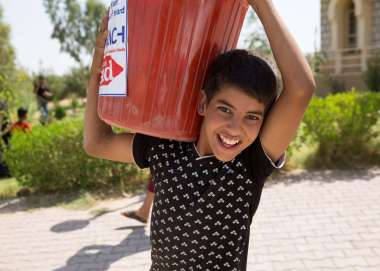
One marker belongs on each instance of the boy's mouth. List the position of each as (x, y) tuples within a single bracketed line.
[(227, 142)]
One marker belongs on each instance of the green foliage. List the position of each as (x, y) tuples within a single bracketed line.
[(343, 125), (256, 39), (7, 60), (15, 83), (59, 112), (315, 60), (8, 188), (22, 89), (51, 158), (75, 26), (76, 82), (372, 75)]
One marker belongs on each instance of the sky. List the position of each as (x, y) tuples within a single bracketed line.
[(38, 53)]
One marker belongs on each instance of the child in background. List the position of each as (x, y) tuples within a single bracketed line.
[(5, 135), (142, 213), (21, 124), (5, 124), (207, 191)]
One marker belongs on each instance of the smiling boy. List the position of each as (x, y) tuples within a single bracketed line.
[(207, 191)]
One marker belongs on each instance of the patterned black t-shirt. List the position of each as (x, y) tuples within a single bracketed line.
[(203, 207)]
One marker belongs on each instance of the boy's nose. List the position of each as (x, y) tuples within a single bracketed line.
[(233, 127)]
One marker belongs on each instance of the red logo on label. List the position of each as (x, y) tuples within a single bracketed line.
[(110, 70)]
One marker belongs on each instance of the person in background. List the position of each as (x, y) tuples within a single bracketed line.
[(5, 134), (21, 124), (43, 94), (5, 123), (142, 214)]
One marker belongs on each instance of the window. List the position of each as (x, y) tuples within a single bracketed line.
[(351, 26)]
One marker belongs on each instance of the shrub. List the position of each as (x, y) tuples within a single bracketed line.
[(51, 158), (59, 112), (343, 125), (372, 75)]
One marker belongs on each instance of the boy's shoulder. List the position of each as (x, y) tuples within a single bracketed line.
[(147, 147), (142, 141), (148, 150)]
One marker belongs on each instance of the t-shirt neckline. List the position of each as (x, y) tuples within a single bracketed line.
[(198, 156)]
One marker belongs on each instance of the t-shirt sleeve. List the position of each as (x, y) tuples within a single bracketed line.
[(260, 163), (261, 167), (141, 148)]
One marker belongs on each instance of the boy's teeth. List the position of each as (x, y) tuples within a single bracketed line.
[(229, 141)]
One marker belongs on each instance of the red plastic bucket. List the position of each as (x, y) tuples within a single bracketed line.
[(170, 45)]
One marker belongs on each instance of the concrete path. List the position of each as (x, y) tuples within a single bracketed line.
[(307, 221)]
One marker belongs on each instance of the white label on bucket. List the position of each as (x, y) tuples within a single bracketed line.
[(113, 80)]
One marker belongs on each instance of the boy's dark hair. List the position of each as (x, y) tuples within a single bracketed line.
[(241, 69), (22, 112)]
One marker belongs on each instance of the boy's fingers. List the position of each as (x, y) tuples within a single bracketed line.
[(103, 32), (101, 40), (100, 45), (104, 24)]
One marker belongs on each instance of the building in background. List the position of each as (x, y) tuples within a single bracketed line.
[(350, 36)]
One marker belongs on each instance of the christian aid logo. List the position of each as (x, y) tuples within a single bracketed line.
[(110, 70)]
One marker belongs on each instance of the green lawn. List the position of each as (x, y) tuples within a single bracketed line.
[(71, 201), (8, 188)]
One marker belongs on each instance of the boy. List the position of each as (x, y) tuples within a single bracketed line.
[(207, 192), (43, 95), (21, 124)]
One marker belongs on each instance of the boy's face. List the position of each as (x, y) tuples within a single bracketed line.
[(232, 121)]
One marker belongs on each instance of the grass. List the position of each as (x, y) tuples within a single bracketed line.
[(8, 188), (79, 201), (83, 201), (100, 212)]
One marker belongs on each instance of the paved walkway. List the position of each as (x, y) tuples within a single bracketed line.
[(310, 221)]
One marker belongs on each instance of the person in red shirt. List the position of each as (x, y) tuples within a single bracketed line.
[(21, 124)]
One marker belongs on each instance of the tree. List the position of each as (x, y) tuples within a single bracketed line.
[(315, 61), (75, 26), (372, 75), (76, 82), (7, 60), (256, 39)]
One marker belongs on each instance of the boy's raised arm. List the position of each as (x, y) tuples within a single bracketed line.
[(99, 139), (281, 124)]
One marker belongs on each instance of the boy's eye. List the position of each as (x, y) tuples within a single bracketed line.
[(252, 117), (224, 109)]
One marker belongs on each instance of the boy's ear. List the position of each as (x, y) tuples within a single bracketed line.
[(202, 103)]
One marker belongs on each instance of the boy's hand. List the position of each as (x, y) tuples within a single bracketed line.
[(99, 139), (256, 3), (282, 121), (100, 45), (103, 32)]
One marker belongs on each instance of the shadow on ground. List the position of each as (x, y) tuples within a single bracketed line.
[(78, 224), (324, 176), (44, 201), (102, 256)]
